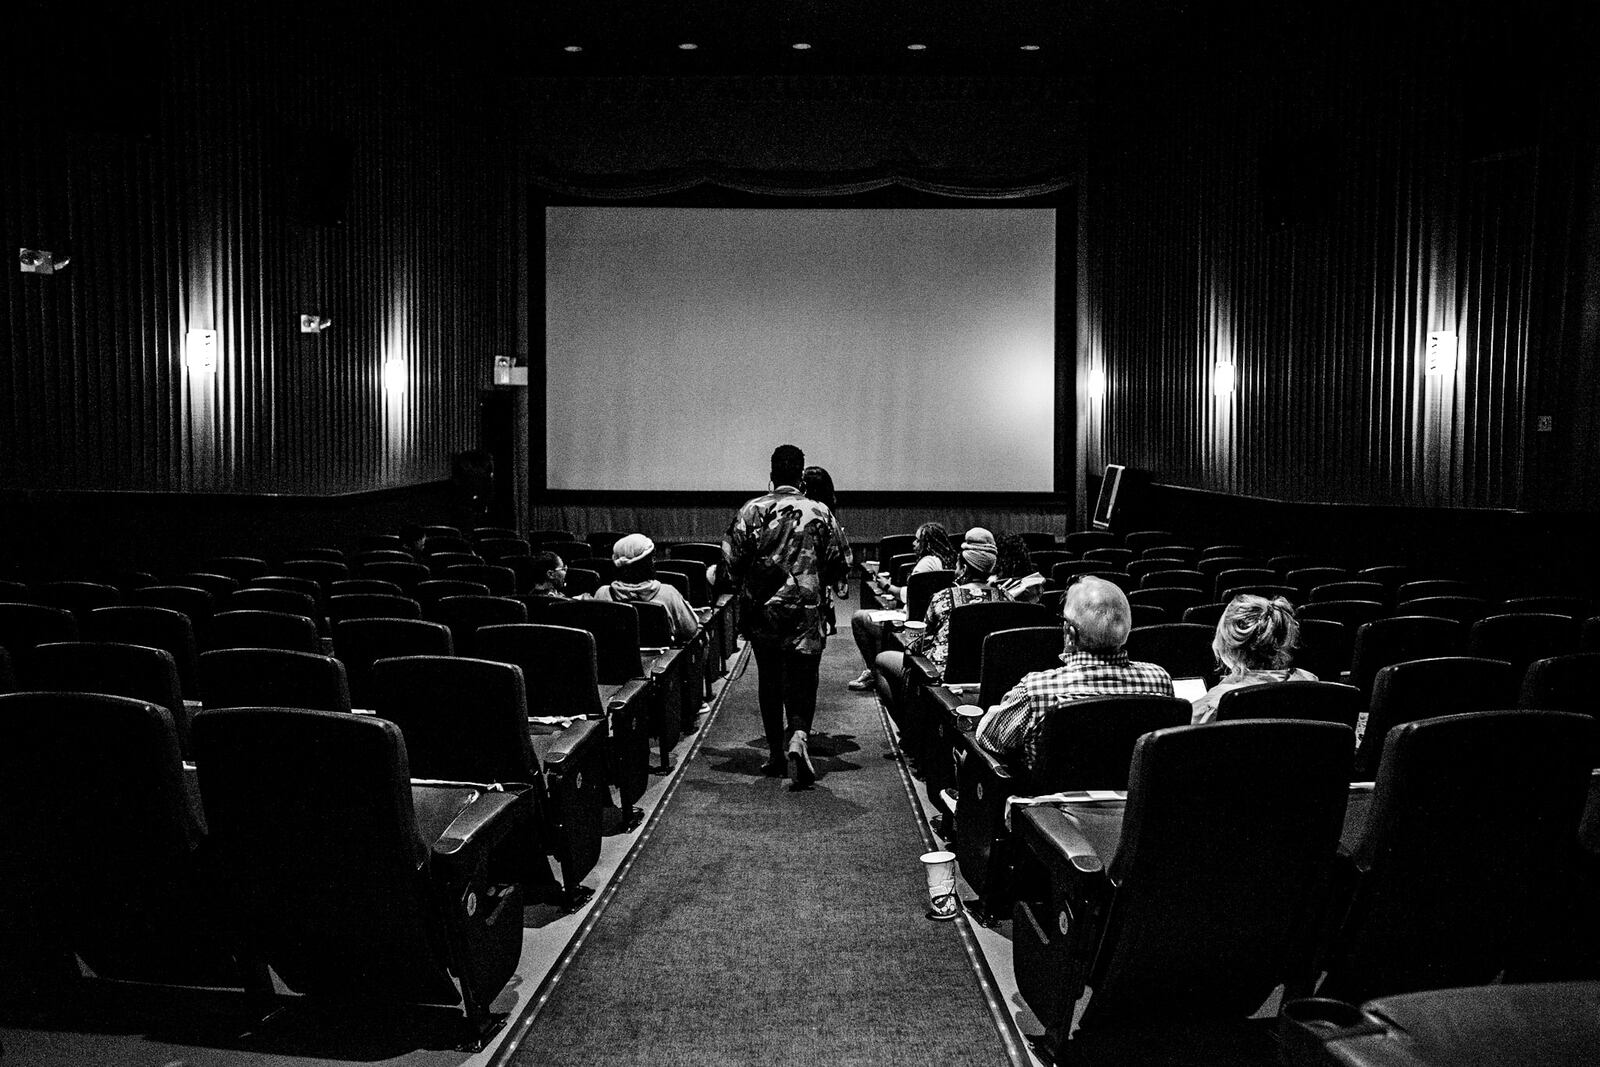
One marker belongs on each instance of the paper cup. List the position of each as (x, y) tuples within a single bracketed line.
[(967, 715), (916, 627), (940, 867)]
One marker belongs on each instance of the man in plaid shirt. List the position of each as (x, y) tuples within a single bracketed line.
[(1096, 623)]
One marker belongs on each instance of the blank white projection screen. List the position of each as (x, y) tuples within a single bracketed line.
[(902, 350)]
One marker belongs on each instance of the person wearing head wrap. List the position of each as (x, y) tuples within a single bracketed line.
[(1254, 643), (636, 583), (1095, 620), (975, 564)]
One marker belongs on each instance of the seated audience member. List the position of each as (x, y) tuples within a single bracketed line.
[(1255, 643), (1095, 624), (1015, 575), (635, 557), (971, 587), (549, 576), (934, 552), (817, 484)]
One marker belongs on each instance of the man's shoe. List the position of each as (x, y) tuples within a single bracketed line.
[(864, 681), (775, 767), (801, 773)]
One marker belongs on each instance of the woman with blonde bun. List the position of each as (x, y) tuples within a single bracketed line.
[(1255, 643)]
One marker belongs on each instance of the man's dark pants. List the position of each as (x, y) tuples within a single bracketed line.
[(786, 686)]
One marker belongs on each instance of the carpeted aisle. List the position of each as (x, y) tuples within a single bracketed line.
[(760, 925)]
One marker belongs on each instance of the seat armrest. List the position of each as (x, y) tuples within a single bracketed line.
[(479, 824), (989, 764), (1057, 841), (570, 740), (627, 693), (920, 670), (944, 698)]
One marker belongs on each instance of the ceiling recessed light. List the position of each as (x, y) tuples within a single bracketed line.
[(688, 46), (572, 48), (1030, 48), (916, 47), (800, 46)]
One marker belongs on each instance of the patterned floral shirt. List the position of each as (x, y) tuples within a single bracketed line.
[(1011, 728), (935, 643), (782, 550)]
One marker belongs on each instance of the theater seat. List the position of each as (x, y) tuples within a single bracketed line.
[(1185, 909), (125, 670), (271, 677), (467, 720), (102, 851), (354, 885)]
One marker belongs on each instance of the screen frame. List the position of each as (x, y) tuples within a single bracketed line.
[(711, 196)]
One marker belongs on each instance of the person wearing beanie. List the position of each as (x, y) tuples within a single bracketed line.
[(781, 551), (976, 564), (636, 583)]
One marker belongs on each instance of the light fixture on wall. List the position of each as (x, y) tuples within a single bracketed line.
[(1097, 384), (1439, 361), (394, 376), (40, 261), (314, 323), (1222, 379), (200, 351)]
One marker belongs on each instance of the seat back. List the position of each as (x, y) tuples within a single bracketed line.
[(1239, 576), (970, 624), (1206, 614), (100, 842), (1230, 832), (372, 606), (1352, 613), (1573, 607), (1306, 579), (1081, 541), (1348, 589), (892, 545), (655, 624), (582, 581), (501, 581), (1400, 638), (1563, 683), (1183, 579), (1464, 857), (322, 571), (463, 719), (262, 599), (272, 677), (1464, 609), (1113, 557), (241, 567), (1087, 744), (558, 665), (406, 573), (264, 629), (1522, 638), (1424, 688), (1431, 587), (358, 643), (433, 590), (290, 582), (1323, 648), (144, 624), (569, 551), (464, 614), (1009, 654), (114, 667), (79, 598), (1139, 540), (8, 676), (1183, 648), (921, 587), (616, 635), (694, 587), (364, 585), (1311, 701), (323, 868), (1173, 600), (699, 551), (24, 625), (1062, 573)]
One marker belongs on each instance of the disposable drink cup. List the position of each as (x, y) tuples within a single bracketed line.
[(940, 867)]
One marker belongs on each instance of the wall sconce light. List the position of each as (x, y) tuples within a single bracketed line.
[(506, 372), (40, 261), (314, 323), (1222, 379), (1097, 384), (200, 351), (394, 376), (1439, 360)]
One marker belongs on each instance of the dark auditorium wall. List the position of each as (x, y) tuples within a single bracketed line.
[(235, 172), (1308, 204)]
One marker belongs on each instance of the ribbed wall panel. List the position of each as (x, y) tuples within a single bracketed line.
[(185, 219), (1314, 240)]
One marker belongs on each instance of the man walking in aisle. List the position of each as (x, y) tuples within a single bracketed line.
[(781, 551)]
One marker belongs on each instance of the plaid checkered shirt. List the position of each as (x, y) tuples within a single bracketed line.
[(1011, 728)]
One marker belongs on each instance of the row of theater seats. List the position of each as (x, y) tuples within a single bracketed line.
[(1253, 852), (549, 720)]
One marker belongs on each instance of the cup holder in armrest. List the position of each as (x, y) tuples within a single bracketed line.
[(1306, 1025)]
